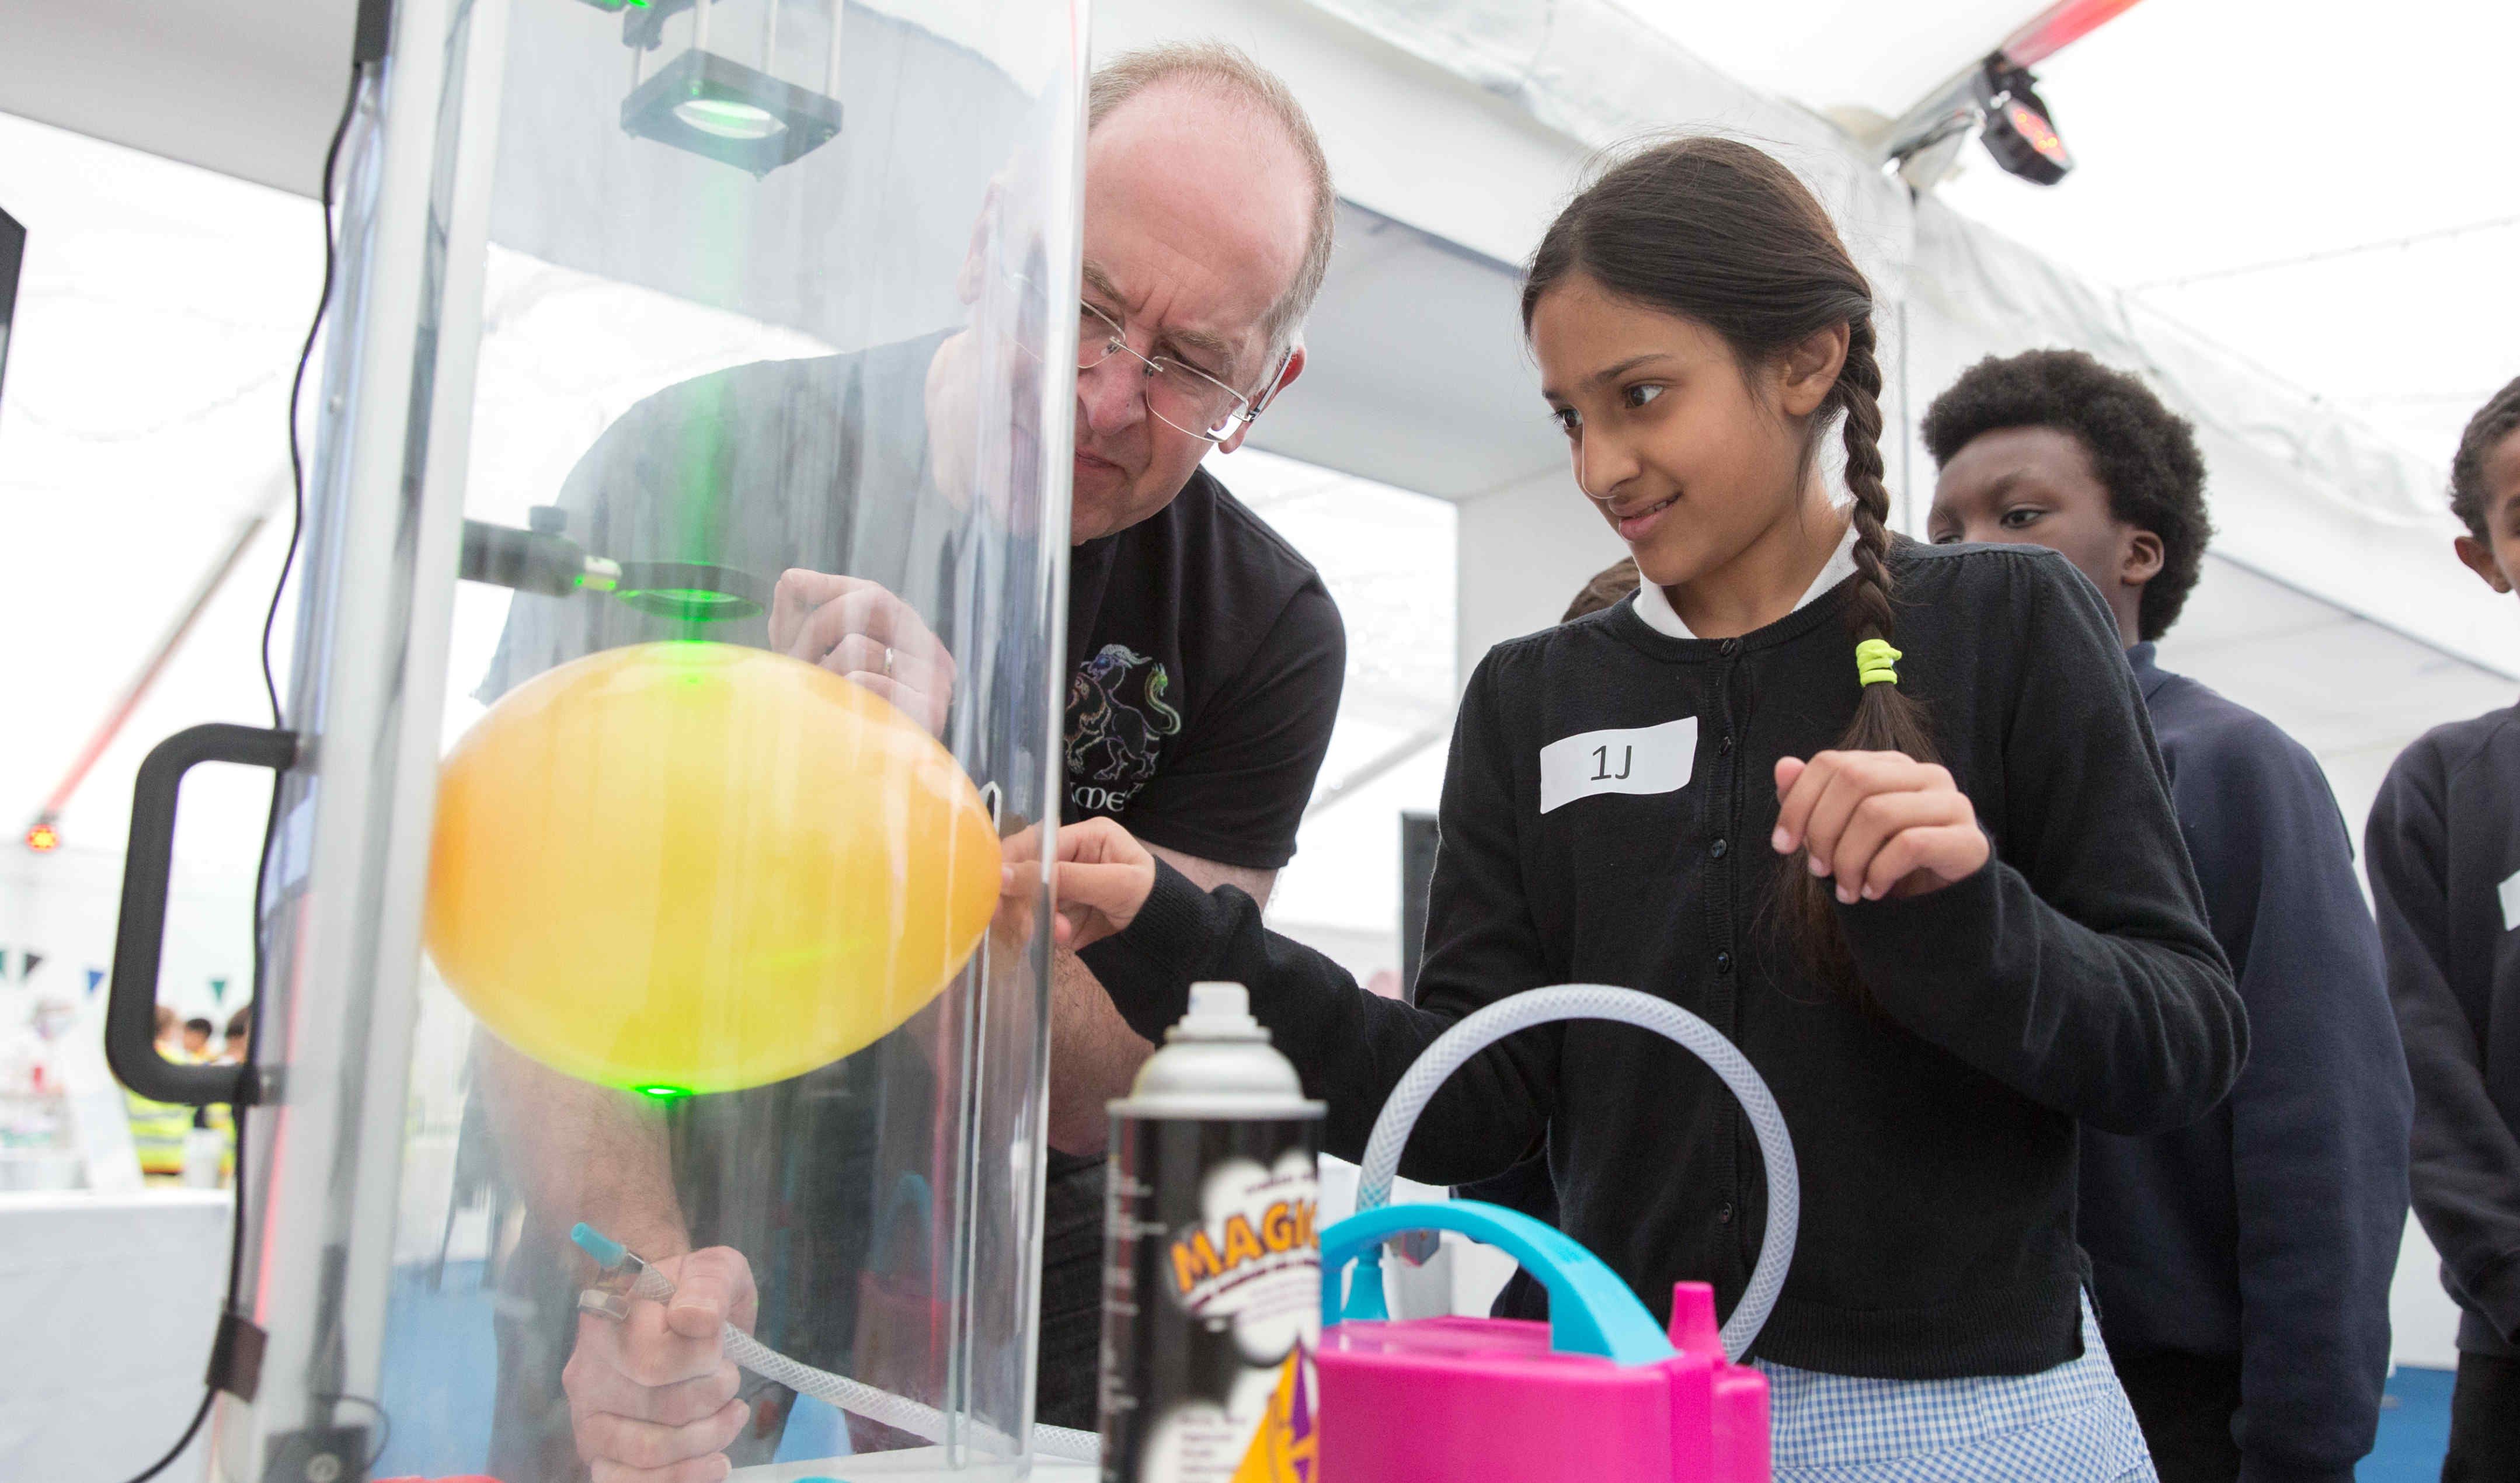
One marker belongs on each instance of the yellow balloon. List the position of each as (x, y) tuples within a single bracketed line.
[(692, 868)]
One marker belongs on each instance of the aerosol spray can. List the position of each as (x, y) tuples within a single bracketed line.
[(1212, 1266)]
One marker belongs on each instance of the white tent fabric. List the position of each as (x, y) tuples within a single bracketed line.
[(2301, 492)]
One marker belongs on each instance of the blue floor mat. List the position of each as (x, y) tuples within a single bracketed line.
[(2414, 1431)]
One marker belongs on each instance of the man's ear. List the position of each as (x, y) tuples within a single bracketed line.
[(2142, 558), (1295, 367), (2478, 558), (1808, 371)]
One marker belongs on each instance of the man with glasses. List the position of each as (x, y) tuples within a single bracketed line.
[(1204, 660)]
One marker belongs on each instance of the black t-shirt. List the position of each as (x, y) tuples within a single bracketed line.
[(1205, 660)]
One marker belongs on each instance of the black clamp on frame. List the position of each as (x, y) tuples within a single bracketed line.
[(140, 934)]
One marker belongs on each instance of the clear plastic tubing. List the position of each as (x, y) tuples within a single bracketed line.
[(1595, 1001), (860, 1399)]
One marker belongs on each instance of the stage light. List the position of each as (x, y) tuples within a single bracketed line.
[(2060, 26), (2021, 133), (708, 104), (12, 256), (1994, 98)]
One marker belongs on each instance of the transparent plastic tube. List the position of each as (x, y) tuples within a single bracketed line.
[(860, 1399), (1595, 1001)]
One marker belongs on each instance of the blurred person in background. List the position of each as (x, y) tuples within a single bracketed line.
[(196, 1039), (2242, 1263), (158, 1128), (232, 1052), (2443, 849)]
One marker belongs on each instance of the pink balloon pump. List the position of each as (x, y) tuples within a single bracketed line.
[(1597, 1394)]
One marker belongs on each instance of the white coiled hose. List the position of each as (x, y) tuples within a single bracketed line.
[(859, 1397), (1598, 1000)]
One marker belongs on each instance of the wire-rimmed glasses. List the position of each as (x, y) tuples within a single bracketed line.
[(1181, 396)]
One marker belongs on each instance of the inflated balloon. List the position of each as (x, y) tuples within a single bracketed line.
[(692, 867)]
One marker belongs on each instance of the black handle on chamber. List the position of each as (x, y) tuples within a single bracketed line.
[(140, 934)]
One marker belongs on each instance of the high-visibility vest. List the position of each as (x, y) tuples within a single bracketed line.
[(157, 1131)]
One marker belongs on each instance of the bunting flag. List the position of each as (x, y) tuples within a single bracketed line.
[(218, 991), (95, 976), (34, 961)]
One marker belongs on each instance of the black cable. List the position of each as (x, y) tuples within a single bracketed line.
[(271, 821), (384, 1425)]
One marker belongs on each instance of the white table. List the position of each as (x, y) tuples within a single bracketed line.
[(110, 1301)]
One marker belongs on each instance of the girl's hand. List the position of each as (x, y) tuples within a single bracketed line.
[(1883, 823), (1102, 877)]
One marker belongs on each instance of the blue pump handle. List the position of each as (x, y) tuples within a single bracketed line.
[(1591, 1310)]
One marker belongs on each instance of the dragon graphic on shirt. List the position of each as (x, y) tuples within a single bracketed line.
[(1113, 738)]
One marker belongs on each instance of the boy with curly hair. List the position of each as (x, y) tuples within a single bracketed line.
[(2243, 1264)]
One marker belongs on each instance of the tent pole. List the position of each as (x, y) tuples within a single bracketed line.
[(46, 825)]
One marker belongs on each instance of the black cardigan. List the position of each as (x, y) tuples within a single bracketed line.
[(2071, 978)]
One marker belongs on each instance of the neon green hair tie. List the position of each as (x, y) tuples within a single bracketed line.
[(1873, 658)]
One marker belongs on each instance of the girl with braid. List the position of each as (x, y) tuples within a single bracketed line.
[(1887, 814)]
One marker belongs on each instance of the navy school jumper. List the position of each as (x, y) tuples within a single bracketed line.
[(2269, 1231)]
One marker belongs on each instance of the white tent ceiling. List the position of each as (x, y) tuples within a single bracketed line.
[(1828, 53)]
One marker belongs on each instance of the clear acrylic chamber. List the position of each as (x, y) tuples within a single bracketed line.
[(685, 556)]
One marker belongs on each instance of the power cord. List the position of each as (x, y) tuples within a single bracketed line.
[(359, 75)]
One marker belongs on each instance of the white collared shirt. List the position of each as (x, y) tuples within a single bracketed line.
[(1659, 615)]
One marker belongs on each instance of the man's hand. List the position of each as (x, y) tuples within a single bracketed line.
[(1883, 823), (1102, 877), (856, 629), (652, 1397)]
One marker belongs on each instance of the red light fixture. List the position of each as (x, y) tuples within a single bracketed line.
[(43, 836), (2057, 27)]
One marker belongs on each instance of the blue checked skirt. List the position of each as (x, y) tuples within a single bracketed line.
[(2070, 1425)]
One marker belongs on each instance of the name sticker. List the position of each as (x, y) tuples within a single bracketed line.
[(2510, 899), (1643, 759)]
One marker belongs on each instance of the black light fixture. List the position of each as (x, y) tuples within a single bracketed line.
[(2019, 132), (1997, 99), (13, 258), (708, 104)]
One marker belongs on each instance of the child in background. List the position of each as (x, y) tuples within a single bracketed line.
[(1726, 791), (2442, 850), (2242, 1263)]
